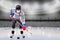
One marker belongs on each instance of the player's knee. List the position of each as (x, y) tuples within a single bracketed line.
[(20, 27), (13, 26), (21, 32), (13, 32)]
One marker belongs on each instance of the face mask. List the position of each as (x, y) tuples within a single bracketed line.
[(18, 11)]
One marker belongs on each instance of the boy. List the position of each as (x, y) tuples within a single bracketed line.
[(17, 15)]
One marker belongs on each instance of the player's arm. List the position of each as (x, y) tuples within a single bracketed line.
[(23, 22), (11, 14)]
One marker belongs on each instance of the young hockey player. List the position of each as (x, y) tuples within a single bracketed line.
[(17, 15)]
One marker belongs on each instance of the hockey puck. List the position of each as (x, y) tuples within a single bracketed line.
[(11, 37), (18, 37), (23, 36)]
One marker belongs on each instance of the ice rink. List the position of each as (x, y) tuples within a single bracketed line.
[(38, 33)]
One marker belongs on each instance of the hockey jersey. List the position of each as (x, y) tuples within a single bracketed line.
[(18, 15)]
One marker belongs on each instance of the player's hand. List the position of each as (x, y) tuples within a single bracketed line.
[(24, 26), (11, 17)]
